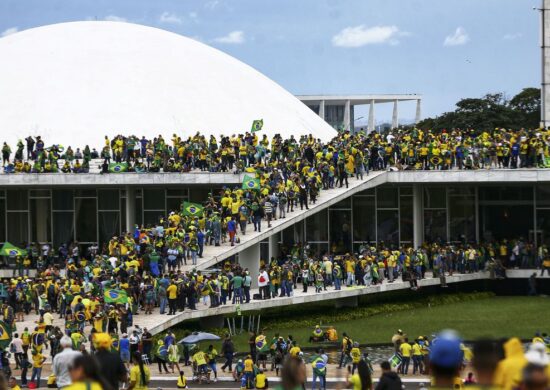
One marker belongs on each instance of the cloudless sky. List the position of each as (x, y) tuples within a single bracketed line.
[(442, 49)]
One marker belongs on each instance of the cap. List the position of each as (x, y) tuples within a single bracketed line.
[(446, 351)]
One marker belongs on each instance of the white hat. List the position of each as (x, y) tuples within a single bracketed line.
[(537, 354)]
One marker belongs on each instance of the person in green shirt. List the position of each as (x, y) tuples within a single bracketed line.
[(237, 283)]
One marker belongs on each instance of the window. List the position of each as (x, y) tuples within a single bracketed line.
[(317, 227), (364, 219)]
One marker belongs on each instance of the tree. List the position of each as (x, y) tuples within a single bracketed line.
[(489, 112)]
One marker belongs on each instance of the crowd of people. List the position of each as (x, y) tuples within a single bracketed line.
[(402, 148)]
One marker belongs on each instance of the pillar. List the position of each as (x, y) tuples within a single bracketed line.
[(322, 109), (130, 209), (371, 116), (418, 111), (250, 258), (273, 245), (418, 220), (347, 115), (395, 116)]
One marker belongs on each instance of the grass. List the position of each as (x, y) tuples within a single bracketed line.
[(497, 317)]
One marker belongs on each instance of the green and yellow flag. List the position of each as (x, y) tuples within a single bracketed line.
[(250, 183), (257, 125), (5, 334), (112, 295), (118, 167), (192, 209), (11, 250)]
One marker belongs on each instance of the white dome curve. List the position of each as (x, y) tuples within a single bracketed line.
[(73, 83)]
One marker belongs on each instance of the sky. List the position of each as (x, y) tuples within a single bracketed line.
[(444, 50)]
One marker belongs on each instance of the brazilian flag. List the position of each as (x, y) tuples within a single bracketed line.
[(250, 183), (112, 295), (11, 250), (257, 125), (118, 167), (5, 334), (192, 209)]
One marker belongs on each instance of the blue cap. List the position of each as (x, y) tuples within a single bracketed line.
[(446, 351)]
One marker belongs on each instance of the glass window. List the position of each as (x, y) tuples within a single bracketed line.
[(340, 231), (466, 191), (405, 191), (63, 228), (435, 225), (109, 225), (368, 191), (388, 227), (86, 220), (41, 220), (343, 204), (462, 219), (497, 222), (154, 199), (2, 220), (364, 219), (318, 249), (174, 204), (151, 217), (108, 200), (199, 194), (139, 211), (491, 193), (406, 219), (387, 197), (288, 236), (62, 200), (543, 226), (178, 193), (317, 227), (86, 193), (40, 193), (18, 233), (18, 199), (543, 196), (435, 197)]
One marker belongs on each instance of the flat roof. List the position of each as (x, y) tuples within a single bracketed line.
[(359, 99)]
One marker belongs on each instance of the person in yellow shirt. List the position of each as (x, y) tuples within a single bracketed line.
[(355, 357), (37, 361), (172, 293), (182, 381), (261, 380), (417, 357), (405, 350), (508, 372), (139, 374)]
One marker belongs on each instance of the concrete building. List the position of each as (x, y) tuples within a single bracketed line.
[(397, 208), (339, 110)]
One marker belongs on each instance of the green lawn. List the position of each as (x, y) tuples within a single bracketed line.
[(493, 317)]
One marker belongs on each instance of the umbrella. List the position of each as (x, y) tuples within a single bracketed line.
[(11, 250), (196, 337)]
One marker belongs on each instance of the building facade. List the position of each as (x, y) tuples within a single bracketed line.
[(405, 213)]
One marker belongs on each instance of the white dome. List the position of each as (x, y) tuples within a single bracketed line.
[(74, 83)]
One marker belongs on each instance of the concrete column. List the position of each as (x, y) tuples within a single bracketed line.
[(347, 115), (130, 209), (418, 219), (371, 117), (322, 109), (273, 246), (250, 258), (395, 116), (418, 111)]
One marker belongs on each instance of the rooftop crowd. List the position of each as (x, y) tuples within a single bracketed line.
[(404, 149)]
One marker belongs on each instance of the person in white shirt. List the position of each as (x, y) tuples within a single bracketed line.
[(263, 284), (16, 346), (62, 361)]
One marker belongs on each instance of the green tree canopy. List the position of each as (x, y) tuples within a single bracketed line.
[(491, 111)]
